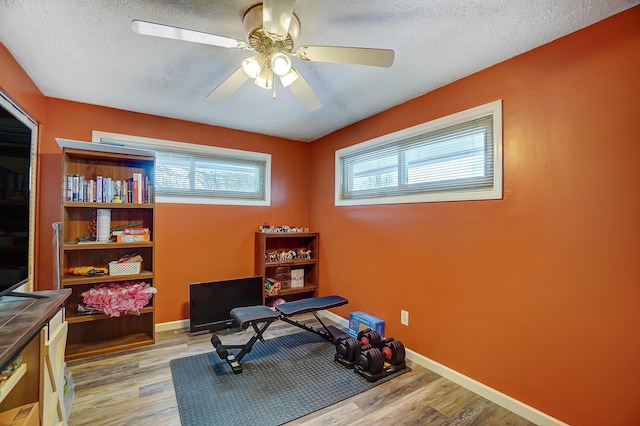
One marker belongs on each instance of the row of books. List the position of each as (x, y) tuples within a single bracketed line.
[(136, 189)]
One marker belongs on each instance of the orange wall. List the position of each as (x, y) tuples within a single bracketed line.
[(16, 84), (193, 242), (536, 295)]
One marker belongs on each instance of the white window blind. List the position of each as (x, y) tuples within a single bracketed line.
[(454, 158), (184, 175), (189, 173)]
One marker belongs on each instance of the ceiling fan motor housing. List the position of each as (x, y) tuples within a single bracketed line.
[(259, 40)]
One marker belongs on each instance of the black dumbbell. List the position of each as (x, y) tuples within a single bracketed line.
[(347, 348), (369, 337), (370, 359), (392, 350)]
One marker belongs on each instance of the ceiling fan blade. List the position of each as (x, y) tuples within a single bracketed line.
[(167, 31), (276, 17), (305, 94), (347, 55), (228, 86)]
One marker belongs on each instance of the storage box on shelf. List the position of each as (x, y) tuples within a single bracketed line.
[(92, 333), (277, 254)]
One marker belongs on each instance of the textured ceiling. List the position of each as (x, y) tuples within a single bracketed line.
[(85, 51)]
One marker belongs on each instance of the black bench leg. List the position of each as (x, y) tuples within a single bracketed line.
[(326, 334), (234, 360)]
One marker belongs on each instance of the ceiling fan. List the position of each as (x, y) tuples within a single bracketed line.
[(271, 28)]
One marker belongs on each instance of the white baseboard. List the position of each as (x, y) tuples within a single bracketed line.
[(335, 318), (173, 325), (523, 410)]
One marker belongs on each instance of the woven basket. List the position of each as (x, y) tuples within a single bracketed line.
[(125, 268)]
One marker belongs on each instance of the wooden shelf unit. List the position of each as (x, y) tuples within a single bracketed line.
[(278, 242), (95, 334)]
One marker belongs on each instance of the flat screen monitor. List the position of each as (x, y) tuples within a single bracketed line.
[(210, 303)]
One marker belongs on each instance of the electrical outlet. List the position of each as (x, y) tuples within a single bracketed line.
[(404, 317)]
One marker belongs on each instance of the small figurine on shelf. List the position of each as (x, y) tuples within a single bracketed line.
[(266, 228), (282, 229), (304, 254)]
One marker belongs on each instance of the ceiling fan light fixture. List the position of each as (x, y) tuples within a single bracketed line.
[(289, 77), (280, 64), (264, 79), (254, 65)]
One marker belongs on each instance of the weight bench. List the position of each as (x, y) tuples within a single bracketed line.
[(260, 318)]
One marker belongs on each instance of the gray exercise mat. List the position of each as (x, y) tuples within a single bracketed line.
[(283, 379)]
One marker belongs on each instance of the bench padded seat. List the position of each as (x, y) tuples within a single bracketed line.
[(311, 304), (244, 316)]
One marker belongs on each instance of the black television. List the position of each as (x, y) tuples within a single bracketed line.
[(210, 303), (17, 151)]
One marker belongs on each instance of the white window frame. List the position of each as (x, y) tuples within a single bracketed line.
[(163, 145), (495, 192)]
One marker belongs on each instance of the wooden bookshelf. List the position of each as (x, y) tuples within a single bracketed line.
[(266, 243), (93, 334)]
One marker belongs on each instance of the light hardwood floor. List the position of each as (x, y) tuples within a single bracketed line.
[(135, 388)]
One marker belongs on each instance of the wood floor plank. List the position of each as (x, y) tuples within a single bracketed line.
[(338, 414), (135, 387)]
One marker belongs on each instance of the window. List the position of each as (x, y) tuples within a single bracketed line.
[(458, 157), (198, 174)]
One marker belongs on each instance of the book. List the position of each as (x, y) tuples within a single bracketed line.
[(109, 190), (99, 189), (81, 189), (140, 187), (136, 231), (117, 191), (132, 238), (136, 187), (68, 189), (74, 187), (129, 191)]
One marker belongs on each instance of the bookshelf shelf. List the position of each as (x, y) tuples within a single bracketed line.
[(97, 317), (108, 205), (109, 245)]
